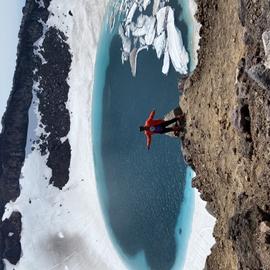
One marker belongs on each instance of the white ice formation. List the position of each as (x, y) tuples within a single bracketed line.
[(157, 31), (201, 239)]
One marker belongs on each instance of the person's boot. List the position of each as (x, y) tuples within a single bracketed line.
[(176, 130)]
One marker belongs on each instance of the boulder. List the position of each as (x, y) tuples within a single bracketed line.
[(261, 75)]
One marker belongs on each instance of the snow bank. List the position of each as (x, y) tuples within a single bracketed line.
[(201, 239), (65, 229), (196, 30), (189, 11)]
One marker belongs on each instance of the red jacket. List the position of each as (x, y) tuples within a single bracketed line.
[(148, 123)]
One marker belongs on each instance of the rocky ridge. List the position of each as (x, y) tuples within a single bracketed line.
[(227, 107), (49, 65)]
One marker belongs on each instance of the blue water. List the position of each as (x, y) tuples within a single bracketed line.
[(184, 223), (146, 196)]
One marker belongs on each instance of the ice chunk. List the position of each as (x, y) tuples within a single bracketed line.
[(127, 30), (141, 20), (146, 3), (126, 42), (124, 57), (139, 31), (140, 28), (161, 19), (145, 26), (155, 7), (177, 51), (142, 41), (131, 13), (133, 59), (157, 30), (151, 31), (159, 44), (40, 3), (166, 61)]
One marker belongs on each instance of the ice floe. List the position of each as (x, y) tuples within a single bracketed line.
[(177, 51), (160, 44), (153, 31)]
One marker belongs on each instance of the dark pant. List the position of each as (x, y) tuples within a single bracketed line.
[(164, 128)]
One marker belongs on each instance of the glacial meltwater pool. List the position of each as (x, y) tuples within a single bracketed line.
[(146, 196)]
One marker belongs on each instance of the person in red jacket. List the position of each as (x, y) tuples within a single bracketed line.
[(158, 126)]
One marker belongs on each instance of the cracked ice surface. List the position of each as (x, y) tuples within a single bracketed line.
[(64, 229)]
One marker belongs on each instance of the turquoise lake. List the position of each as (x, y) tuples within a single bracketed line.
[(146, 196)]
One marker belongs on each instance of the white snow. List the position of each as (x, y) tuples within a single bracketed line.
[(159, 44), (177, 51), (151, 31), (161, 18), (65, 229), (140, 28), (125, 40), (201, 239), (34, 130), (131, 13)]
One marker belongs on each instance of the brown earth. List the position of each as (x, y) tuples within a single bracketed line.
[(227, 107)]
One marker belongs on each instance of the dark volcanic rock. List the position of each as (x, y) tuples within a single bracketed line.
[(60, 170), (11, 235), (15, 119), (52, 96), (15, 123)]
